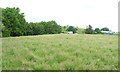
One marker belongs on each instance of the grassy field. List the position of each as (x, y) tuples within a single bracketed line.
[(60, 52)]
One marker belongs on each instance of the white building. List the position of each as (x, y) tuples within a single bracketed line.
[(70, 32)]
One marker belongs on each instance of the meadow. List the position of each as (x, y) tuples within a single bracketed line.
[(60, 52)]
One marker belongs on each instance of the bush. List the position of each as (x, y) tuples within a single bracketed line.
[(6, 33), (89, 30)]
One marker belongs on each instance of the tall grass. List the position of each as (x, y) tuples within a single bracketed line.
[(60, 52)]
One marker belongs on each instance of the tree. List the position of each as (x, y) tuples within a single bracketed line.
[(71, 28), (38, 29), (64, 29), (51, 27), (105, 29), (29, 30), (89, 30), (56, 29), (97, 30), (35, 29), (13, 21)]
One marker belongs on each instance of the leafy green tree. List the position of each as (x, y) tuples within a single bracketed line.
[(64, 29), (56, 29), (5, 32), (105, 29), (13, 21), (71, 28), (29, 30), (38, 29), (51, 27), (35, 29), (97, 30), (89, 30)]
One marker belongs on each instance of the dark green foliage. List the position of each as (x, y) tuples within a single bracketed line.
[(50, 27), (35, 29), (105, 29), (97, 31), (89, 30), (5, 33), (71, 28), (14, 22)]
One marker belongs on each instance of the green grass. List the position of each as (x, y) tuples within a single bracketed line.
[(60, 52)]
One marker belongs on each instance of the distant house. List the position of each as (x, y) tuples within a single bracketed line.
[(70, 32), (107, 32)]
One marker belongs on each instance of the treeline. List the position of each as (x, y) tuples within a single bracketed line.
[(90, 30), (13, 23), (50, 27)]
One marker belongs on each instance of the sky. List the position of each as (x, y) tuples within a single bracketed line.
[(81, 13)]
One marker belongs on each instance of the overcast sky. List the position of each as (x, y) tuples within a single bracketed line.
[(81, 13)]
